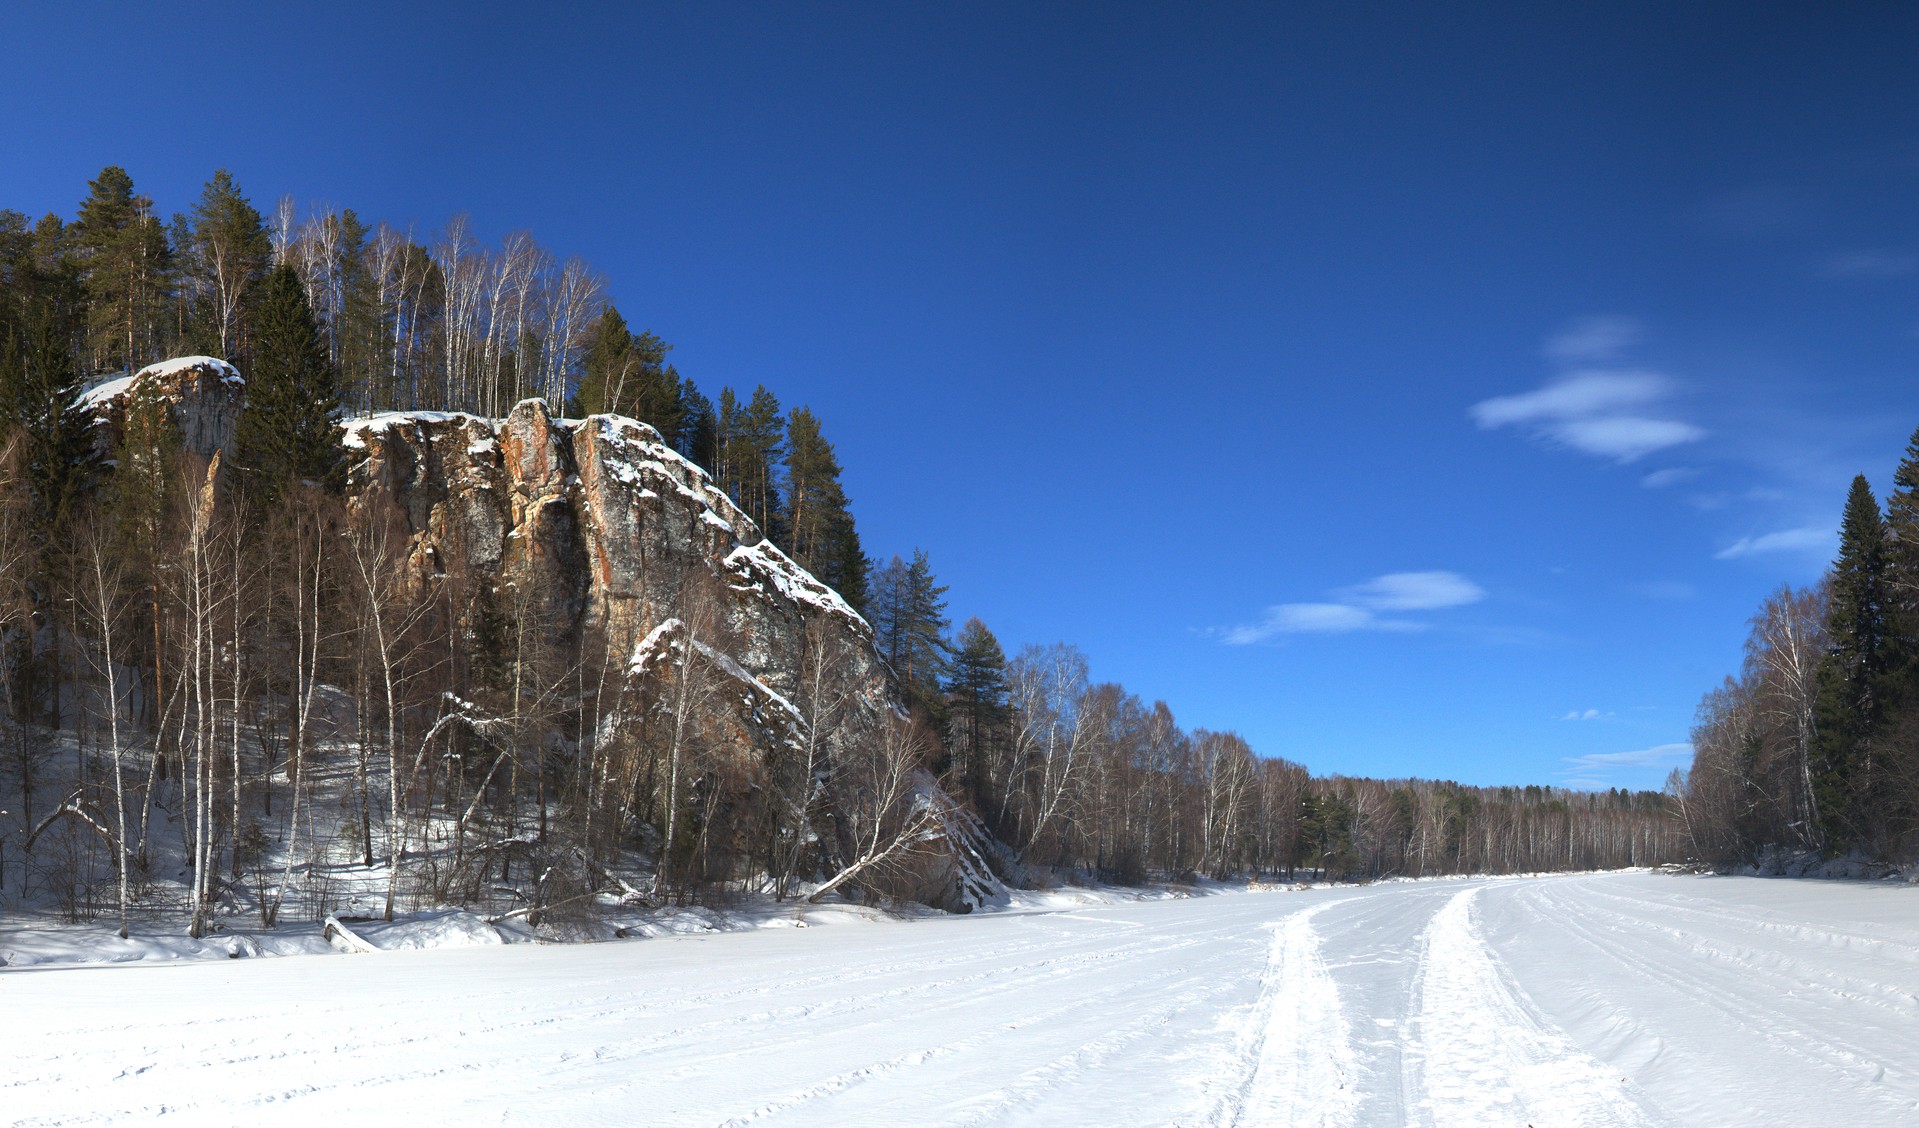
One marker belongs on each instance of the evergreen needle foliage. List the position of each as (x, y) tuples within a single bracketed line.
[(288, 434)]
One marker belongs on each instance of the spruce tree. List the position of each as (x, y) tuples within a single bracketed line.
[(846, 566), (1902, 568), (356, 331), (231, 254), (1847, 706), (817, 521), (40, 390), (699, 427), (909, 620), (121, 251), (288, 433), (976, 690), (609, 353)]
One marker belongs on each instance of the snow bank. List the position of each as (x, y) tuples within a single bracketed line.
[(443, 928), (227, 373)]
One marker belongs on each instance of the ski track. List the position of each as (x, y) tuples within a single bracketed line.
[(1823, 1012), (1610, 1000), (1483, 1059), (1296, 1051)]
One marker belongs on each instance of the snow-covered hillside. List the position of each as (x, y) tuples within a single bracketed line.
[(1620, 999)]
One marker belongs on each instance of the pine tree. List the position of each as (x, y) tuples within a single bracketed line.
[(699, 428), (909, 619), (288, 432), (751, 450), (231, 253), (1847, 708), (976, 690), (40, 390), (817, 521), (121, 250)]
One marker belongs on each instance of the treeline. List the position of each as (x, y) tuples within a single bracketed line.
[(222, 691), (444, 324), (1083, 777), (1814, 747)]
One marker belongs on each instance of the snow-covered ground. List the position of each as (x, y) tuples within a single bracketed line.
[(1620, 999)]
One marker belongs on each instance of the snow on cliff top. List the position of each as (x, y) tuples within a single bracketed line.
[(640, 456), (643, 449), (356, 428), (108, 391), (179, 364)]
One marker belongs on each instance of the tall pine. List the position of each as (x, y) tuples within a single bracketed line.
[(42, 324), (817, 522), (909, 618), (626, 374), (976, 696), (121, 251), (1850, 675), (752, 447), (288, 433), (229, 256)]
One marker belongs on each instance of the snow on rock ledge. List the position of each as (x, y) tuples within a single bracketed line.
[(207, 394), (597, 532), (611, 534)]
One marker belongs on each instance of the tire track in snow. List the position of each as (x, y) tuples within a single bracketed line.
[(1483, 1059), (1766, 996), (1298, 1065)]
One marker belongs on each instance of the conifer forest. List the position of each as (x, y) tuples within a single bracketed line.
[(1812, 749), (258, 675)]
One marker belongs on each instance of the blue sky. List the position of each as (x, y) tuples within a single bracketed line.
[(1416, 389)]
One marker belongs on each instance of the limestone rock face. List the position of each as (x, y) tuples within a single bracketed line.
[(611, 533), (610, 524), (207, 397), (601, 534)]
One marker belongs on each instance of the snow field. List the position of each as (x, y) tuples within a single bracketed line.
[(1296, 1043), (1621, 999), (1484, 1059)]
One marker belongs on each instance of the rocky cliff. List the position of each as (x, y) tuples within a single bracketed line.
[(604, 533), (207, 396)]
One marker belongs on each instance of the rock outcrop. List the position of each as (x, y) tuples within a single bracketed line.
[(607, 533), (207, 396), (604, 536)]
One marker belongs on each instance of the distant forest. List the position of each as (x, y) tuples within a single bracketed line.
[(112, 572), (1812, 750)]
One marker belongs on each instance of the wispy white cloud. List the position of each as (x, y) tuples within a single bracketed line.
[(1625, 438), (1313, 618), (1869, 264), (1671, 476), (1414, 591), (1642, 767), (1809, 538), (1582, 715), (1593, 340), (1601, 412), (1362, 607), (1578, 396)]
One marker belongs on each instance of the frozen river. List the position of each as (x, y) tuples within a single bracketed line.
[(1619, 999)]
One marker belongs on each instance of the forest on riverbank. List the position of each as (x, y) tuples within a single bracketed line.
[(226, 688)]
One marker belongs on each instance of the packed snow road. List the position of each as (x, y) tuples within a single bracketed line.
[(1625, 999)]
